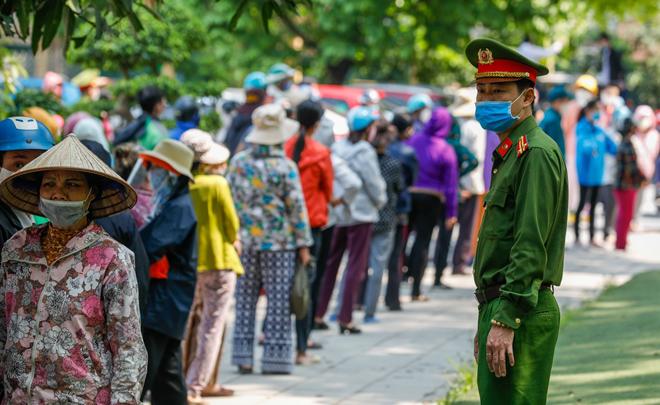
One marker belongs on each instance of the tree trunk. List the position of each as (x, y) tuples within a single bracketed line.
[(337, 73)]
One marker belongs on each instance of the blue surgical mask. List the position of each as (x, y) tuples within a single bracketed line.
[(496, 115), (63, 214), (595, 117)]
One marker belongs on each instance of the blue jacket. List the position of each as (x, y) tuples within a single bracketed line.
[(551, 125), (406, 155), (172, 233), (592, 145), (180, 128)]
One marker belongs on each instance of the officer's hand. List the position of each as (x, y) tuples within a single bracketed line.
[(476, 347), (499, 345), (450, 222)]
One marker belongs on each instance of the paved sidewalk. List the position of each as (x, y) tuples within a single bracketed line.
[(411, 356)]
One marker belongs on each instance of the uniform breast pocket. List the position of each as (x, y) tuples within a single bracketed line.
[(498, 220)]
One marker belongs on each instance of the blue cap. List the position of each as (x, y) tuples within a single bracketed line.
[(280, 71), (255, 81), (559, 92), (361, 117), (418, 102), (24, 133)]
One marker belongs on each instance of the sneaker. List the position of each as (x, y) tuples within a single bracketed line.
[(371, 319)]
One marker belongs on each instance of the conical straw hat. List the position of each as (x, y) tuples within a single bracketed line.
[(21, 190)]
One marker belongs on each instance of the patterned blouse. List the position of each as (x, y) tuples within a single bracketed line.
[(392, 173), (628, 175), (70, 329), (269, 200)]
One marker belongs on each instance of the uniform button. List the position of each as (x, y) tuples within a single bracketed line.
[(494, 171), (518, 321)]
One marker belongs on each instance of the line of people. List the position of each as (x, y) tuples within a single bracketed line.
[(120, 263)]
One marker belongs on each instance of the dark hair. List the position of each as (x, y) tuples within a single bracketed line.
[(126, 154), (524, 84), (148, 97), (627, 127), (401, 123), (308, 114), (186, 109), (604, 35), (590, 106)]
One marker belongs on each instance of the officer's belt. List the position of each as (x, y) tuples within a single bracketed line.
[(486, 295)]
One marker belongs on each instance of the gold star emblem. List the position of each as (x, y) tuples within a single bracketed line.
[(485, 56)]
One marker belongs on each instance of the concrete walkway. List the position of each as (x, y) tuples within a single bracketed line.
[(412, 356)]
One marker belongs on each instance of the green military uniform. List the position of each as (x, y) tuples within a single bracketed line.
[(520, 252)]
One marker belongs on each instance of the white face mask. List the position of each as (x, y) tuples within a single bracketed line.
[(425, 115), (64, 214), (583, 97)]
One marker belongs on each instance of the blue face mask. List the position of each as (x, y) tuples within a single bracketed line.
[(496, 115), (595, 117)]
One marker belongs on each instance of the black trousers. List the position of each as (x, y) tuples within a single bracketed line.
[(164, 370), (304, 326), (590, 192), (426, 211), (394, 268), (606, 196)]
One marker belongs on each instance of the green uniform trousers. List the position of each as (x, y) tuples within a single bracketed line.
[(533, 349)]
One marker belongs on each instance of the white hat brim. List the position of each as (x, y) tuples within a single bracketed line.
[(273, 135), (216, 155)]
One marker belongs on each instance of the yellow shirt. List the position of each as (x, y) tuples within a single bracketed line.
[(217, 224)]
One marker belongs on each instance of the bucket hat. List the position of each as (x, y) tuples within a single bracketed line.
[(271, 126), (174, 154), (21, 190), (206, 150)]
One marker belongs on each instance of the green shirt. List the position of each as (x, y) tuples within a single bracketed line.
[(522, 236)]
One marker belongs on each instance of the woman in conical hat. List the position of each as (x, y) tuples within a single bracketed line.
[(69, 313)]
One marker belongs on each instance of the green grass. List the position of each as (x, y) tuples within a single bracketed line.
[(609, 350)]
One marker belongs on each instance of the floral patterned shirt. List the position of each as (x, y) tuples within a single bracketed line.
[(70, 331), (269, 200)]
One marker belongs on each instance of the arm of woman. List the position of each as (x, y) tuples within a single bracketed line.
[(230, 220), (295, 207), (327, 177), (122, 312)]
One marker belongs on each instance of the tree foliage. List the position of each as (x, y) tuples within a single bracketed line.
[(169, 37)]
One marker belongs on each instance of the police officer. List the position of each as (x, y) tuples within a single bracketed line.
[(520, 253), (22, 139)]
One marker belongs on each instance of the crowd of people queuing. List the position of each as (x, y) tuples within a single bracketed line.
[(124, 250)]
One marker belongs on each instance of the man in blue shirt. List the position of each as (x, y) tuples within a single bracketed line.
[(551, 123)]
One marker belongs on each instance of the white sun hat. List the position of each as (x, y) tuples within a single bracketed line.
[(271, 126)]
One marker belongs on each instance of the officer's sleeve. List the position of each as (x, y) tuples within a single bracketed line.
[(535, 215)]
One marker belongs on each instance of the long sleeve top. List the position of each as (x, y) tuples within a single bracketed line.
[(269, 200)]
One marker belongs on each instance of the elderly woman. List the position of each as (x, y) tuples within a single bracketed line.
[(69, 313), (274, 225)]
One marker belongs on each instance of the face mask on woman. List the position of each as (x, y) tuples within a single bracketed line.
[(64, 214)]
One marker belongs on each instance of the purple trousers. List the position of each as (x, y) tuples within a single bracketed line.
[(357, 239)]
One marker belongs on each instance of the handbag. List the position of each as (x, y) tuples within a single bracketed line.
[(300, 291)]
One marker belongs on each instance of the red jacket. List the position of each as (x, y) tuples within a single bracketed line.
[(316, 177)]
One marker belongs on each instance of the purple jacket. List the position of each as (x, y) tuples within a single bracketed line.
[(438, 165)]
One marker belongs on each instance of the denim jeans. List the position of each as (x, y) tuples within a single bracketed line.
[(379, 254)]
